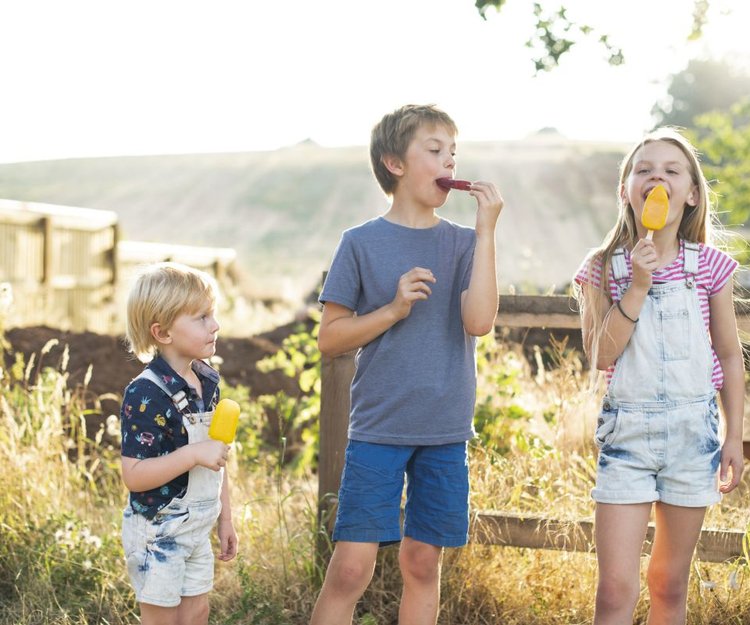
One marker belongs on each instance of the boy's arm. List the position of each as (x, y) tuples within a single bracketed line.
[(142, 474), (479, 301), (342, 331), (227, 534), (726, 344)]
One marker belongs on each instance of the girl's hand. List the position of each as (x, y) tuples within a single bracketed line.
[(412, 287), (489, 205), (210, 454), (732, 465), (645, 260)]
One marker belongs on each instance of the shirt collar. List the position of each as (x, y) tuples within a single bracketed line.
[(209, 377)]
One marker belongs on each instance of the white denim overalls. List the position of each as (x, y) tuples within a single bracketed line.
[(658, 429), (170, 556)]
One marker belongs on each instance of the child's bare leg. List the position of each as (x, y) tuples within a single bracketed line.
[(620, 530), (349, 572), (677, 532), (191, 611), (194, 610), (158, 615), (420, 569)]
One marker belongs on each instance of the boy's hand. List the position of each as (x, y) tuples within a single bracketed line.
[(645, 261), (489, 205), (210, 454), (227, 539), (412, 286)]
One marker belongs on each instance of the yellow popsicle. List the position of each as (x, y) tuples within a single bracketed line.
[(655, 210), (224, 422)]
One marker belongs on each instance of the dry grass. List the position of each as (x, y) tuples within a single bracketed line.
[(60, 501)]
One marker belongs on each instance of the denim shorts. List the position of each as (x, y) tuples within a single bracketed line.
[(437, 494), (658, 451), (170, 556)]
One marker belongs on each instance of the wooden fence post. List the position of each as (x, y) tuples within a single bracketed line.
[(335, 380)]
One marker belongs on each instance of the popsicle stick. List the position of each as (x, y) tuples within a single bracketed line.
[(650, 235)]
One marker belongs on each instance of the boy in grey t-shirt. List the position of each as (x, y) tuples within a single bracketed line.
[(410, 291)]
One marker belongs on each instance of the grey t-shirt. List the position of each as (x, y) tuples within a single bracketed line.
[(415, 384)]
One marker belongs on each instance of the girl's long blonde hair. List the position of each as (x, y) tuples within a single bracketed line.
[(698, 225)]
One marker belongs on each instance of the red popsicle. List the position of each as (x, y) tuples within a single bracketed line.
[(454, 183)]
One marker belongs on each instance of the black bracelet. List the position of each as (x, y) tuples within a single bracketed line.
[(622, 312)]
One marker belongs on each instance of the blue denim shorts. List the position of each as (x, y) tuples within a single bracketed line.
[(170, 556), (437, 494), (658, 451)]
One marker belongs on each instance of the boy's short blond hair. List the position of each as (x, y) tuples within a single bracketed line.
[(392, 134), (161, 293)]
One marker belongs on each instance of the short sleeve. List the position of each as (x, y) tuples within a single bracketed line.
[(143, 421), (590, 272), (721, 266), (468, 263), (343, 281)]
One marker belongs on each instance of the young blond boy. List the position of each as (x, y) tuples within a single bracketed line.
[(174, 472), (409, 290)]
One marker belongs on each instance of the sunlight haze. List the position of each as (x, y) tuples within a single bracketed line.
[(92, 78)]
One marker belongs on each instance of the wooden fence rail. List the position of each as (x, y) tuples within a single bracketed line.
[(536, 532), (494, 527)]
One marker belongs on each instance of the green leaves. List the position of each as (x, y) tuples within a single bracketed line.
[(723, 139), (554, 35)]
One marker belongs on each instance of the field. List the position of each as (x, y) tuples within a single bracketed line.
[(61, 498), (284, 211)]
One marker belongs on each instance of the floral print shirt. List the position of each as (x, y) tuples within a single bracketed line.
[(152, 426)]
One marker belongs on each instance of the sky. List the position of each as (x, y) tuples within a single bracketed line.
[(86, 78)]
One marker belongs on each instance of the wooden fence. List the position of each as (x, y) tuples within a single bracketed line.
[(60, 263), (66, 267), (495, 527)]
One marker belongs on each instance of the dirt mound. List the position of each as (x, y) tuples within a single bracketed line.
[(113, 367)]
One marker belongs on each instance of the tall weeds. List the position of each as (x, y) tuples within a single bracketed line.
[(61, 498)]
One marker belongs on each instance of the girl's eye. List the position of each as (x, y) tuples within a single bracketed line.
[(672, 171), (435, 151), (643, 170)]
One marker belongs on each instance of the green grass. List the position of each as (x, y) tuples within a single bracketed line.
[(61, 498)]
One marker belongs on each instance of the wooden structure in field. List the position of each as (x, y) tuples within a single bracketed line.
[(60, 262), (492, 527), (66, 267)]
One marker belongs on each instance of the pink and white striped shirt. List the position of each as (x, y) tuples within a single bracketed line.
[(715, 268)]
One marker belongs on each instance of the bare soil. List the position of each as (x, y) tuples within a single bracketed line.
[(113, 367)]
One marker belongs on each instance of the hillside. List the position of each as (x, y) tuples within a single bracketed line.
[(283, 211)]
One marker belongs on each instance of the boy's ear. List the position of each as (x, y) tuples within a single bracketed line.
[(393, 164), (160, 334)]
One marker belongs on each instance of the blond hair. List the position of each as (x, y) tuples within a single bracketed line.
[(392, 135), (698, 224), (161, 293)]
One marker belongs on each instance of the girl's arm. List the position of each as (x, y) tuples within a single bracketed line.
[(726, 344), (145, 474), (618, 322), (615, 330), (227, 534), (479, 301), (342, 331)]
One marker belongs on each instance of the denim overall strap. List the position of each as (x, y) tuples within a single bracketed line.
[(619, 266), (204, 484), (668, 357)]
